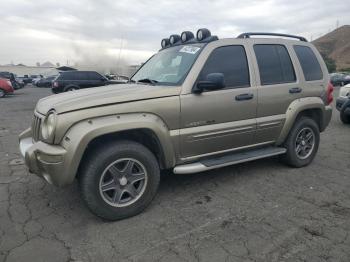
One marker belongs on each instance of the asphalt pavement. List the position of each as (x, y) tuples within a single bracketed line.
[(257, 211)]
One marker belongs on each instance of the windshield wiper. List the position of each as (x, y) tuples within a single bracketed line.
[(147, 80)]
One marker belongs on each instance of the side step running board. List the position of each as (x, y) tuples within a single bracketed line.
[(227, 160)]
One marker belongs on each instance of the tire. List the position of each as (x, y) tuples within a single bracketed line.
[(2, 93), (344, 117), (71, 88), (101, 189), (300, 152)]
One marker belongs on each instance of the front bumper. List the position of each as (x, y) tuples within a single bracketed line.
[(341, 101), (45, 160)]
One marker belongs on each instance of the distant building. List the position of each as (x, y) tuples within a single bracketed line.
[(48, 69), (47, 64), (21, 70)]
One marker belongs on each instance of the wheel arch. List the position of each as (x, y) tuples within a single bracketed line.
[(144, 136), (146, 129), (312, 107), (69, 86)]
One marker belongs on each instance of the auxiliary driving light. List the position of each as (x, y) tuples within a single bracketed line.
[(186, 36), (202, 34), (174, 39), (165, 42)]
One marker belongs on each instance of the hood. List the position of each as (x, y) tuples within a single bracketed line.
[(106, 95)]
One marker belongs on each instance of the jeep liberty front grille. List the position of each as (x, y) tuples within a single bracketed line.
[(36, 126)]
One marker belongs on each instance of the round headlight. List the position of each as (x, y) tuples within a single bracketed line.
[(202, 34), (174, 39), (48, 126), (186, 36), (165, 42)]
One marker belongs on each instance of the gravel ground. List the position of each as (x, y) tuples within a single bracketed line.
[(258, 211)]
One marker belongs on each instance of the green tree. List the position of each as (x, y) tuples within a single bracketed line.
[(330, 63)]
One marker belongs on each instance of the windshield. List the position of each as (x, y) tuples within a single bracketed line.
[(170, 66)]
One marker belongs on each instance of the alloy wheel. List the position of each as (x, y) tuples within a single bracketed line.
[(123, 182), (305, 143)]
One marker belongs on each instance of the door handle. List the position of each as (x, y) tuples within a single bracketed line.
[(242, 97), (295, 90)]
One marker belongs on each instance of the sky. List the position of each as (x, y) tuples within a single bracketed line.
[(88, 31)]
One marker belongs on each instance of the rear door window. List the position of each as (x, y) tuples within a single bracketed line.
[(309, 63), (275, 65), (81, 76)]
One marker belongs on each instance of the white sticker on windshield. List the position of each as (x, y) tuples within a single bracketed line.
[(189, 49)]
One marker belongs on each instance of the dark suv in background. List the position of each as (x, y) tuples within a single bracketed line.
[(73, 80)]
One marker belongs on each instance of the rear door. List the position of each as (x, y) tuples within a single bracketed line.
[(82, 79), (223, 120), (95, 79), (278, 86)]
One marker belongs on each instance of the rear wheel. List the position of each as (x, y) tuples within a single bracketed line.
[(2, 93), (71, 88), (302, 143), (119, 180), (344, 117)]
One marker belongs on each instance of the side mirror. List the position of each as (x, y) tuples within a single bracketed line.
[(215, 81)]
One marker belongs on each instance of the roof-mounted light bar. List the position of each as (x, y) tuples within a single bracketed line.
[(248, 35), (203, 35)]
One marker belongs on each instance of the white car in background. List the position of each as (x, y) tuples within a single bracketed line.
[(344, 91), (35, 79)]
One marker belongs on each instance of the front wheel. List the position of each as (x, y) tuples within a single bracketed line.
[(119, 180), (302, 143)]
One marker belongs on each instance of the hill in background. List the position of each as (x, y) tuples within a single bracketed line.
[(336, 46)]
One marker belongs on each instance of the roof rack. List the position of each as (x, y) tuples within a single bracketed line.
[(248, 35)]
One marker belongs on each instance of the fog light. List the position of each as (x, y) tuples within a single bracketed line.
[(174, 39), (186, 36), (165, 42), (203, 33)]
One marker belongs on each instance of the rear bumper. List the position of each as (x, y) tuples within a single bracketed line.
[(326, 117), (46, 161)]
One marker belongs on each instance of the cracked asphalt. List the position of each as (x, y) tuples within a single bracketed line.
[(257, 211)]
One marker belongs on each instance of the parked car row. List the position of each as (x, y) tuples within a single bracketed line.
[(74, 80), (340, 79), (16, 82), (5, 87), (343, 104), (64, 81)]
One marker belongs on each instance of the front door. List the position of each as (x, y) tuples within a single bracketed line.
[(222, 120)]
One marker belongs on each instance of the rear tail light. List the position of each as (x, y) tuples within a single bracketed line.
[(55, 84), (330, 89)]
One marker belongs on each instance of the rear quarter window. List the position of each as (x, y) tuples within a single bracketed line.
[(309, 63), (94, 76)]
